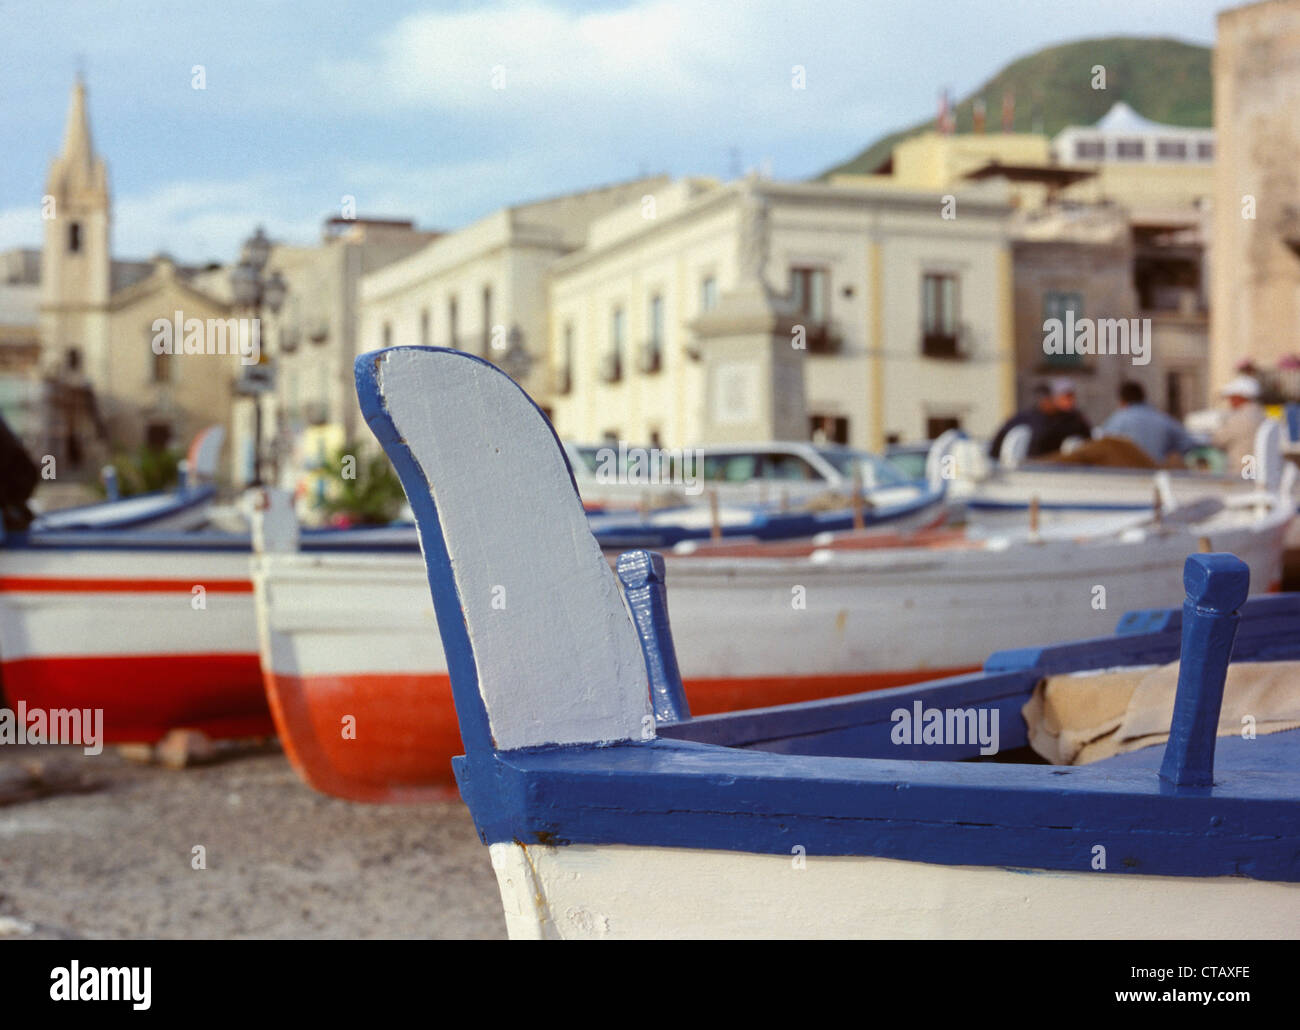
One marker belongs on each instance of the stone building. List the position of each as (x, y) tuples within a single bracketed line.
[(107, 391), (1111, 222), (1256, 261)]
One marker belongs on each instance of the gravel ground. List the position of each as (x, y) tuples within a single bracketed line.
[(100, 847)]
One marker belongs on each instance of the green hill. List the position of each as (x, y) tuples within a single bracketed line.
[(1162, 79)]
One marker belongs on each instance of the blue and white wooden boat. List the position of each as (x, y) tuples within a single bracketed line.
[(996, 494), (184, 508), (922, 506), (609, 812), (181, 509)]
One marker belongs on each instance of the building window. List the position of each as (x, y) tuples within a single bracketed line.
[(1090, 150), (652, 350), (74, 237), (826, 429), (809, 290), (611, 364), (1205, 151), (1131, 149), (453, 320), (563, 374), (162, 368), (424, 327), (388, 334), (74, 359), (1171, 150), (1174, 394), (487, 319), (656, 320), (708, 293), (1057, 305), (939, 315), (937, 425)]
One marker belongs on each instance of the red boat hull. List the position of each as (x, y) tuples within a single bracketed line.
[(144, 696), (391, 738)]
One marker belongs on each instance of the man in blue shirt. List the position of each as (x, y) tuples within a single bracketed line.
[(1155, 432)]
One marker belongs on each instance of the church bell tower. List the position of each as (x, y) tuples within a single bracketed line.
[(75, 255)]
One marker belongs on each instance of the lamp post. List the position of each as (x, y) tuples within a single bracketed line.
[(516, 361), (253, 289)]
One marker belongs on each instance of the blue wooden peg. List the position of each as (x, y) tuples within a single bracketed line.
[(1216, 585), (642, 573)]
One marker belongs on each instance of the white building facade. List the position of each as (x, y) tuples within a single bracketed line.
[(897, 305)]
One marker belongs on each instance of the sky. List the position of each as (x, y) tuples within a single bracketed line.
[(444, 112)]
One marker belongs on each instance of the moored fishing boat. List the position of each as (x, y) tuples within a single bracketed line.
[(995, 494), (183, 508), (609, 812), (757, 624), (159, 637), (157, 629), (897, 510)]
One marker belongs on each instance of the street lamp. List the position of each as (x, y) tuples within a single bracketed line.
[(516, 361), (252, 290)]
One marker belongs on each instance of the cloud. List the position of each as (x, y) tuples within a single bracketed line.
[(549, 69)]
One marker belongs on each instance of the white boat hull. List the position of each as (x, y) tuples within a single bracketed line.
[(158, 640), (833, 620), (621, 891)]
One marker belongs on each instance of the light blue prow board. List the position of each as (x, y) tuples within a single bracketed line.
[(540, 647)]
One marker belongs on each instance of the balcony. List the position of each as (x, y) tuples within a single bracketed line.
[(650, 357), (823, 338), (611, 367), (950, 346)]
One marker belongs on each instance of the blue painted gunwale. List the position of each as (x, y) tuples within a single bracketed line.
[(366, 540), (766, 524), (682, 793), (171, 502)]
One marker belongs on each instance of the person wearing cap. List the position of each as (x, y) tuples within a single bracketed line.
[(1159, 435), (1035, 417), (1236, 435), (1064, 421)]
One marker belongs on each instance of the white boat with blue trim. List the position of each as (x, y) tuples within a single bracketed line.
[(610, 812)]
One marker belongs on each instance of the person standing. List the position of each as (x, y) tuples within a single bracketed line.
[(1236, 435), (1035, 417), (1064, 421), (18, 478), (1156, 433)]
